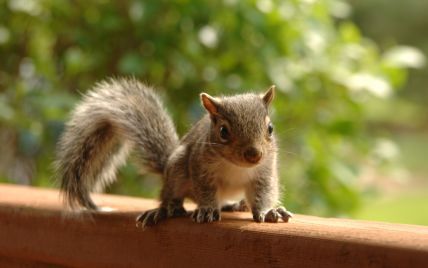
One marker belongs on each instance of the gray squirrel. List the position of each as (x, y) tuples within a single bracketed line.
[(229, 151)]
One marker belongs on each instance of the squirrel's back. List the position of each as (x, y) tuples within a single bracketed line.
[(112, 119)]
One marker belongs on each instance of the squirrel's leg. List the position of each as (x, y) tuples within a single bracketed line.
[(208, 209), (262, 195), (171, 206)]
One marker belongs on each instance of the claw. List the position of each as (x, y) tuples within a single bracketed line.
[(285, 215), (205, 214), (259, 217), (272, 215), (216, 215), (151, 217)]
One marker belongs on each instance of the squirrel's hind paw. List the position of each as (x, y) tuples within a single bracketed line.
[(151, 217), (239, 206)]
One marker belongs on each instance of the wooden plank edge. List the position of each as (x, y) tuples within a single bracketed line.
[(34, 227)]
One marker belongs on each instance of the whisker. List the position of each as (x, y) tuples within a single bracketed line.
[(285, 131), (290, 153), (282, 150), (210, 143)]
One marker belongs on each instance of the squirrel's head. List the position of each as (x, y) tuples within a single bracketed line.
[(241, 130)]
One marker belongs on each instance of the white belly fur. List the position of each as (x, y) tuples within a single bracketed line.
[(231, 181)]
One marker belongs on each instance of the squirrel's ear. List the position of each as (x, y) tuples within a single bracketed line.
[(269, 95), (210, 103)]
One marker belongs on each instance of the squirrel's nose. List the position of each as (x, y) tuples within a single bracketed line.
[(252, 155)]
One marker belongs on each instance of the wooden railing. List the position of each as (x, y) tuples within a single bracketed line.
[(35, 231)]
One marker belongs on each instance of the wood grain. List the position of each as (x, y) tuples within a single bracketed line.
[(34, 229)]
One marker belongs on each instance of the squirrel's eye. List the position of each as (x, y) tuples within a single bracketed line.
[(224, 133), (270, 129)]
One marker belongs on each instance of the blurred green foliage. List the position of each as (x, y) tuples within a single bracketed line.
[(324, 68), (402, 23)]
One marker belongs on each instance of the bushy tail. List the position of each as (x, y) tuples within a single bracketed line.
[(114, 118)]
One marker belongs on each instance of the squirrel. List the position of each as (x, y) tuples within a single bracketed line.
[(230, 151)]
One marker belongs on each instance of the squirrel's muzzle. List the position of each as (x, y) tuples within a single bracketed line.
[(253, 155)]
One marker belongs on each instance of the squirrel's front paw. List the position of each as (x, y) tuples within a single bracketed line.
[(152, 217), (206, 214), (272, 215)]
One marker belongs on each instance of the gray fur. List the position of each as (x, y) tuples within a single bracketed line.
[(118, 116), (113, 118)]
